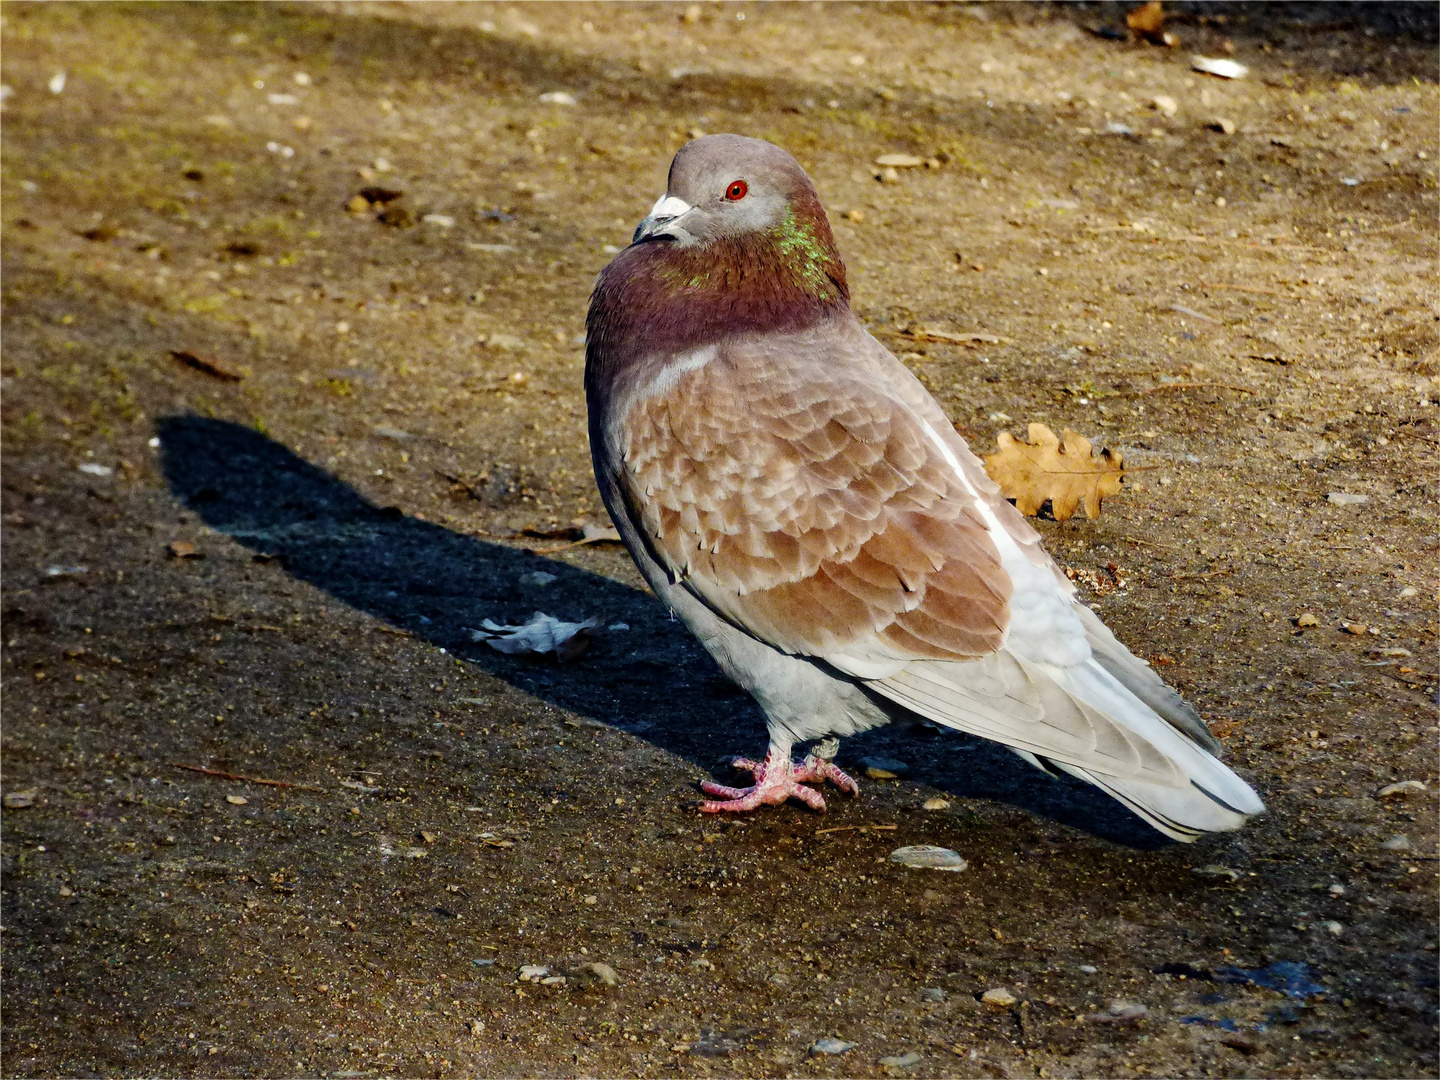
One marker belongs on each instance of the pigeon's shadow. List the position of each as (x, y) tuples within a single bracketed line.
[(652, 680)]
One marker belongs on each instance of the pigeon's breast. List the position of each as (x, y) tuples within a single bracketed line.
[(805, 503)]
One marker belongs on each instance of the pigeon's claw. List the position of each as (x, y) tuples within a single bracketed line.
[(776, 779), (817, 770), (712, 788)]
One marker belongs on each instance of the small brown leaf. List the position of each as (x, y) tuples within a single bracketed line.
[(379, 195), (206, 364), (1148, 21), (183, 549), (1064, 472)]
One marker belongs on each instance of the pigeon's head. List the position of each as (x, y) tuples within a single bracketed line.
[(739, 243), (730, 187)]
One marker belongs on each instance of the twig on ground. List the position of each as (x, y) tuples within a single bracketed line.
[(1196, 386), (1207, 574), (1240, 288), (1147, 543), (244, 779)]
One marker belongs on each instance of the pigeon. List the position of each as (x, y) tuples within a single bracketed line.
[(802, 504)]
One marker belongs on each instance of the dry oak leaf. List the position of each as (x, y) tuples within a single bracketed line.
[(1063, 471)]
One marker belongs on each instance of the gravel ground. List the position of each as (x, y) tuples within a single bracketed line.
[(260, 558)]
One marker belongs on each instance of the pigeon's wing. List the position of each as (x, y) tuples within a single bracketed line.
[(809, 506), (809, 490)]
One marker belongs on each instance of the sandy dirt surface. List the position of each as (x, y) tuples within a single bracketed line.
[(262, 561)]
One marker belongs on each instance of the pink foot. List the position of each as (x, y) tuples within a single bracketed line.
[(776, 779), (817, 770)]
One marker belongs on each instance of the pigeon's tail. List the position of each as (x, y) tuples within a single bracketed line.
[(1091, 723)]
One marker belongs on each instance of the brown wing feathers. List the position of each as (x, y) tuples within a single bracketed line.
[(814, 513)]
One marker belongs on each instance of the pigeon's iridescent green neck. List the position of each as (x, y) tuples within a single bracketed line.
[(796, 257), (810, 258)]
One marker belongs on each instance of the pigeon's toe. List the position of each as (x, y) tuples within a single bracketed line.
[(817, 770), (776, 780), (712, 788)]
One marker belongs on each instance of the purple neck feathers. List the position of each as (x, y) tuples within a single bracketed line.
[(657, 300)]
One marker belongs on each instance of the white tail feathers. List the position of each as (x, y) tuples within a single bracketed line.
[(1099, 720)]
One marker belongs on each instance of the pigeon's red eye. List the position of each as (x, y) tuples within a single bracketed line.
[(736, 191)]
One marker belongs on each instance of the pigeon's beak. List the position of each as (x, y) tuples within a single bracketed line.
[(662, 221)]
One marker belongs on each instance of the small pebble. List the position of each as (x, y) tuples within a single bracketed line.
[(1356, 628), (1165, 104), (533, 971), (1334, 927), (1307, 619), (928, 857), (1222, 125), (937, 804), (1337, 890), (1403, 787), (1409, 591), (932, 993), (598, 972), (901, 1061), (236, 800), (1224, 69), (999, 997), (1398, 842), (536, 578), (1120, 1012), (883, 768), (1346, 498), (831, 1046), (1087, 969), (1215, 870)]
